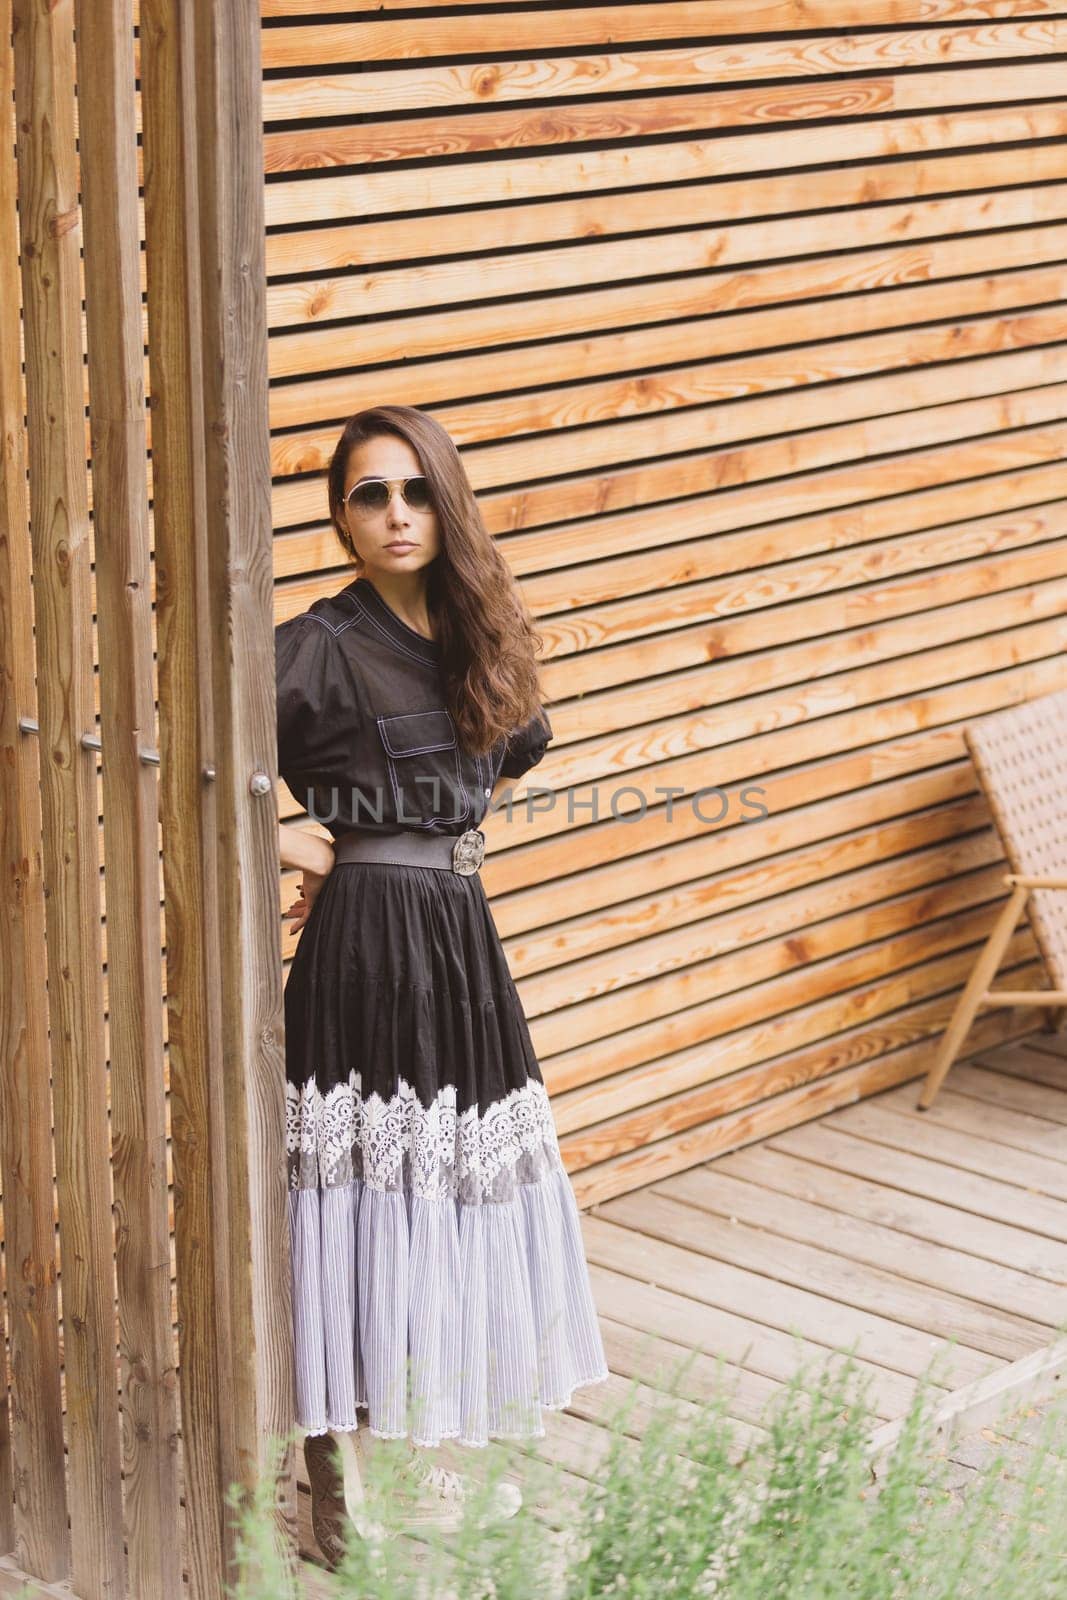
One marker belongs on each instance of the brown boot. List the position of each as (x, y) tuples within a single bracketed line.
[(329, 1518)]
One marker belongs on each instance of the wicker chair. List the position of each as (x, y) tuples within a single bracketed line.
[(1021, 758)]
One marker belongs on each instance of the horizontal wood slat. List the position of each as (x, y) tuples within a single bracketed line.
[(625, 70), (501, 180), (611, 261), (782, 288), (474, 133), (546, 27), (694, 16), (366, 240)]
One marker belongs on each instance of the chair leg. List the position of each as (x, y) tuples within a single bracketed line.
[(985, 970)]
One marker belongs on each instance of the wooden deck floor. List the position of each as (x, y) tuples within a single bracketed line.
[(877, 1225)]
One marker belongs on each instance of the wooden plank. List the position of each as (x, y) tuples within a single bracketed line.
[(409, 39), (808, 1202), (826, 719), (777, 474), (421, 187), (860, 817), (205, 273), (679, 1151), (1040, 1061), (575, 266), (822, 510), (997, 1091), (435, 87), (841, 1278), (827, 628), (755, 308), (273, 10), (59, 524), (778, 1305), (648, 115), (692, 1094), (33, 1424), (656, 1363), (362, 241), (783, 965), (848, 988), (1042, 1179), (1034, 1377), (1020, 1130), (108, 129), (643, 1322), (185, 749), (1023, 381), (232, 549), (20, 1585), (709, 383), (912, 1190), (985, 1197), (943, 839)]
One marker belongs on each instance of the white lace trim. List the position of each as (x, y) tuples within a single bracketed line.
[(355, 1425), (335, 1137)]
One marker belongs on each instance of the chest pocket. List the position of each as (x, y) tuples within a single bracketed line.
[(422, 757)]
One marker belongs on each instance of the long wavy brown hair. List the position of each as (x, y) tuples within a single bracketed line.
[(488, 639)]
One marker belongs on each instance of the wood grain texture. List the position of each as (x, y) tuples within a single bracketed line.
[(148, 1368), (59, 526), (237, 652), (32, 1476), (361, 241), (752, 343), (694, 15), (624, 70), (170, 240), (410, 39), (504, 179), (208, 370)]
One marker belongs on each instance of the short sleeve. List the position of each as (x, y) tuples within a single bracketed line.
[(527, 745), (301, 664)]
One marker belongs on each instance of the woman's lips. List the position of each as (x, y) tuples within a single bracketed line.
[(404, 544)]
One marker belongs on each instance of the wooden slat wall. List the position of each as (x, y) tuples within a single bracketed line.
[(92, 1370), (750, 324), (33, 1428), (50, 240), (107, 104)]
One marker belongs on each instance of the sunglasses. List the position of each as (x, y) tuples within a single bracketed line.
[(373, 494)]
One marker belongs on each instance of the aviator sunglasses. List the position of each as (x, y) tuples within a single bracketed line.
[(373, 494)]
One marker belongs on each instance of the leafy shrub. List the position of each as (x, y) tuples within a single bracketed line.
[(685, 1510)]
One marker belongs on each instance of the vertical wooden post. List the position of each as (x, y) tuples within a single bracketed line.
[(108, 133), (168, 112), (201, 116), (59, 529), (239, 621), (36, 1421)]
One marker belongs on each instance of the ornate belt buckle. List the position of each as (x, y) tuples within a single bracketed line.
[(468, 852)]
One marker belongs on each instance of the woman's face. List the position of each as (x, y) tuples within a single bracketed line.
[(397, 538)]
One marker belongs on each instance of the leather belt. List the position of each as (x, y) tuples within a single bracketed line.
[(408, 849)]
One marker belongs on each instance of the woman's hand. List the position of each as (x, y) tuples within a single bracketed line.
[(310, 885), (315, 858)]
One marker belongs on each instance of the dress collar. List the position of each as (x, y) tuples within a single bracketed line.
[(364, 591)]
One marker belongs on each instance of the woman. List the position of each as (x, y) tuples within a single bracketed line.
[(439, 1281)]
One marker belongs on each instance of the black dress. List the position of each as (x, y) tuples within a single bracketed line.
[(439, 1278)]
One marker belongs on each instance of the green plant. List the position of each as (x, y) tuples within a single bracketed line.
[(678, 1506)]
